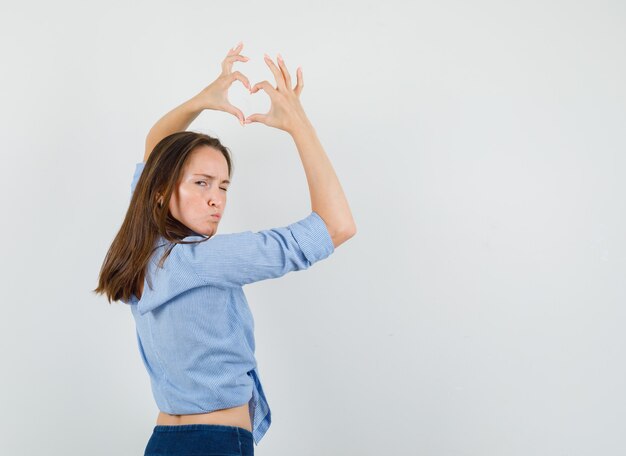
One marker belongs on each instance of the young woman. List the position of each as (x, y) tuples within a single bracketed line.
[(184, 282)]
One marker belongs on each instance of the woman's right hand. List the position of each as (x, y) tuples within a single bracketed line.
[(286, 112)]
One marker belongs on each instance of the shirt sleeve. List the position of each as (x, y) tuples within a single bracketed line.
[(231, 260), (138, 171)]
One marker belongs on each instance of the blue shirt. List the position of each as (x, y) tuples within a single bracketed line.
[(194, 328)]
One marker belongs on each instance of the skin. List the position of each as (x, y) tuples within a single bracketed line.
[(197, 198)]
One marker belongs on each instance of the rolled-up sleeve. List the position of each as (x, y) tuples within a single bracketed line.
[(229, 260)]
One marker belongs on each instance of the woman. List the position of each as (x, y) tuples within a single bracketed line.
[(195, 331)]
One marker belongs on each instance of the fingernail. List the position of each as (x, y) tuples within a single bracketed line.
[(280, 57), (267, 57)]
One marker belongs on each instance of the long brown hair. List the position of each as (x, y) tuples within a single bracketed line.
[(148, 215)]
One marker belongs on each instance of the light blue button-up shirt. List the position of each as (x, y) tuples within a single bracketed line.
[(195, 330)]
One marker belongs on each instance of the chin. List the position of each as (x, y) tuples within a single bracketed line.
[(210, 230)]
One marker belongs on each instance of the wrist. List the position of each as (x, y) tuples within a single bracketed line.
[(303, 134), (301, 126), (194, 105)]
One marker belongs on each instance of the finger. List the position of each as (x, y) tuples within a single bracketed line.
[(227, 63), (236, 48), (300, 83), (237, 57), (280, 81), (235, 112), (239, 76), (256, 118), (265, 85), (283, 68)]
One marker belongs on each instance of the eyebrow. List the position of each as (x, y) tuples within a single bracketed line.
[(226, 181)]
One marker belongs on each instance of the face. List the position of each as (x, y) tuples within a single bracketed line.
[(197, 197)]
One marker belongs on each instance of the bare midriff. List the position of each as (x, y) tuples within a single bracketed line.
[(235, 416)]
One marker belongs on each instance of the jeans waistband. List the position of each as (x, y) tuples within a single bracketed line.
[(200, 427)]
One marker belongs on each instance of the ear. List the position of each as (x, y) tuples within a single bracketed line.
[(160, 200)]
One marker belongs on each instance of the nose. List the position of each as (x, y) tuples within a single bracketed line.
[(215, 201)]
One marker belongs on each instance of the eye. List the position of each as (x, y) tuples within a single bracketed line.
[(203, 182)]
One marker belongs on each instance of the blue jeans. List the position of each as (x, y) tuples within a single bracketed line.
[(200, 439)]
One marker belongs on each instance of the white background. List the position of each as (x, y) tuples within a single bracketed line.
[(478, 310)]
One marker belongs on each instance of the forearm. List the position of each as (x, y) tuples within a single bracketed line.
[(327, 197), (178, 119)]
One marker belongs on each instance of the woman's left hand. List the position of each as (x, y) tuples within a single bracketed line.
[(215, 96)]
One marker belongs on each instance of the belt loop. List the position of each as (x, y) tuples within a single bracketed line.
[(239, 441)]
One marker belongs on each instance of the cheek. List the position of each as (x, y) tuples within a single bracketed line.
[(178, 203), (187, 202)]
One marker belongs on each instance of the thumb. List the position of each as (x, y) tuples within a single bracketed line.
[(256, 118), (235, 112)]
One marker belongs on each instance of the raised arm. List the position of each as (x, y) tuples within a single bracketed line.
[(214, 96), (178, 119), (327, 197), (286, 113)]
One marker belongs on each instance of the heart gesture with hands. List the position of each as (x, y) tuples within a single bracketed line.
[(286, 112)]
